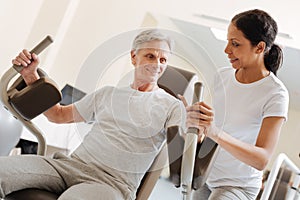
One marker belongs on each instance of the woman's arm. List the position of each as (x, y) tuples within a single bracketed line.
[(258, 155)]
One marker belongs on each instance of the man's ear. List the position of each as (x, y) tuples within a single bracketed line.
[(132, 53), (260, 47)]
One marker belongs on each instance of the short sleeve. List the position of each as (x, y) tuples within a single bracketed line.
[(277, 105), (87, 105), (177, 116)]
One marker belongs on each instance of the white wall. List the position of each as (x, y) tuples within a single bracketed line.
[(15, 28), (96, 21), (289, 138)]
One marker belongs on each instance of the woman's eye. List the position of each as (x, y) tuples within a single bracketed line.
[(235, 44)]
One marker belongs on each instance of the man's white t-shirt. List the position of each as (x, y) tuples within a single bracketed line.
[(128, 131), (239, 111)]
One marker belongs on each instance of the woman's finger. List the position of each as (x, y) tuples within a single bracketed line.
[(200, 108), (199, 116), (202, 103)]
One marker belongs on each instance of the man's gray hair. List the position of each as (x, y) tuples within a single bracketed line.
[(151, 35)]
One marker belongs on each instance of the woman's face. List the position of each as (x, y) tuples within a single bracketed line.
[(240, 51), (150, 60)]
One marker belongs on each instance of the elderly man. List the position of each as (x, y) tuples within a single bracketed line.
[(130, 125)]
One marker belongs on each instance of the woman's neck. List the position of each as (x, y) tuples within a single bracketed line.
[(244, 75)]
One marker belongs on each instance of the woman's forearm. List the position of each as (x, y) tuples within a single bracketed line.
[(252, 155)]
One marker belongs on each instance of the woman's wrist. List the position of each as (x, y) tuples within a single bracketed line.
[(214, 133)]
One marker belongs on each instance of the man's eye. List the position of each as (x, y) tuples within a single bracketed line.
[(150, 56), (163, 60)]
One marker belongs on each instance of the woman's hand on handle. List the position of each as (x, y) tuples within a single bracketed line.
[(192, 122), (201, 116)]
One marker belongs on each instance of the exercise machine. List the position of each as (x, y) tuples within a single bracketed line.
[(25, 102)]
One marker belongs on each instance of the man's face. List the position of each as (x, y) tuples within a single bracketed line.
[(150, 60)]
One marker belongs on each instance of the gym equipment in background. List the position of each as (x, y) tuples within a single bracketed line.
[(70, 95), (283, 181)]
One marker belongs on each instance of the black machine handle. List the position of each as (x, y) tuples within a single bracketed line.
[(37, 49)]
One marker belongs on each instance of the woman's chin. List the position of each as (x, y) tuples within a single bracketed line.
[(235, 66)]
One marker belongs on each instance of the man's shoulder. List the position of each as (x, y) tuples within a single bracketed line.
[(168, 99), (167, 95)]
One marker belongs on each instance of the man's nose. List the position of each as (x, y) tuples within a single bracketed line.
[(155, 64)]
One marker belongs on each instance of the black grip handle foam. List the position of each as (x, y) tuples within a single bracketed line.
[(37, 49)]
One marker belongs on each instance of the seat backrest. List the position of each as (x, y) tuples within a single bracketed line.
[(174, 81)]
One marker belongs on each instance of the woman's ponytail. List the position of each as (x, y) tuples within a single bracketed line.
[(273, 58)]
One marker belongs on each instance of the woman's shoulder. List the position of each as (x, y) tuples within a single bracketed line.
[(277, 83)]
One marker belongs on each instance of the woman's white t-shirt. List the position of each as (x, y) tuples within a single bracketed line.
[(239, 111)]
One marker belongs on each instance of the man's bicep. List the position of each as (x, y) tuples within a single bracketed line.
[(177, 116), (71, 114)]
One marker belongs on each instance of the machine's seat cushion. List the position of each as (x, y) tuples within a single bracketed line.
[(32, 194)]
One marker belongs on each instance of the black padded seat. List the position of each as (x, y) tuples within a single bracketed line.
[(32, 194)]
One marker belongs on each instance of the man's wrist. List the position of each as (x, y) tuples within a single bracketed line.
[(31, 78)]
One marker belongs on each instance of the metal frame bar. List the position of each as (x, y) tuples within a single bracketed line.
[(281, 161)]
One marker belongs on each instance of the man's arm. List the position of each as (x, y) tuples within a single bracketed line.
[(63, 114)]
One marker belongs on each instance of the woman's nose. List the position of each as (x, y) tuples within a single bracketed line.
[(227, 50)]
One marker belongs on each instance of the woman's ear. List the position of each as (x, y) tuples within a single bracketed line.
[(133, 60), (260, 47)]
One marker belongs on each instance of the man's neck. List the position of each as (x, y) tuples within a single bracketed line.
[(148, 87)]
